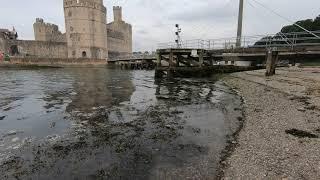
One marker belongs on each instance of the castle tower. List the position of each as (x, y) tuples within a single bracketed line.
[(40, 30), (117, 13), (86, 28), (47, 32)]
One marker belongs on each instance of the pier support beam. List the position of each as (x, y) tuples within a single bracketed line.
[(272, 58), (201, 61), (158, 56)]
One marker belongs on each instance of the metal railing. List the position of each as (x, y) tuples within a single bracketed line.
[(260, 41)]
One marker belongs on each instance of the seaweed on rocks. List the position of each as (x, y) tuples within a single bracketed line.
[(301, 134)]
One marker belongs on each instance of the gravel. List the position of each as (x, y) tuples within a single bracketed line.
[(279, 139)]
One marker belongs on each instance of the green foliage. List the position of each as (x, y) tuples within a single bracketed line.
[(309, 24), (7, 57)]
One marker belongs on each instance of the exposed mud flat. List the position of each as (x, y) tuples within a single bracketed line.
[(280, 137), (109, 124)]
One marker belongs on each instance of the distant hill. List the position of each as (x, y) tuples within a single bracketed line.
[(309, 24), (304, 37)]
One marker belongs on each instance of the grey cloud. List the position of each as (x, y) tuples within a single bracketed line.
[(153, 20)]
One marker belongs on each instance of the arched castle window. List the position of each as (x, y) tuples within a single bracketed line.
[(84, 54)]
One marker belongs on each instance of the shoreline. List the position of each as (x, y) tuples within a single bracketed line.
[(281, 129), (232, 141)]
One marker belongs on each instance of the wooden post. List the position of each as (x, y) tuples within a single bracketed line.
[(211, 60), (171, 65), (272, 58), (201, 58), (171, 59), (158, 56), (178, 60)]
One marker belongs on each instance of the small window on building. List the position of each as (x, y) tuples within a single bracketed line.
[(71, 28), (84, 54)]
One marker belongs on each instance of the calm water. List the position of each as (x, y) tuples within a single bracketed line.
[(98, 123)]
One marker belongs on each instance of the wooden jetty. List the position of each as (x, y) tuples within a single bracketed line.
[(192, 63), (186, 62)]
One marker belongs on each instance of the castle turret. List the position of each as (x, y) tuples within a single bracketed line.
[(117, 13), (86, 28)]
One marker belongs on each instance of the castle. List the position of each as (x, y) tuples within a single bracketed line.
[(87, 34)]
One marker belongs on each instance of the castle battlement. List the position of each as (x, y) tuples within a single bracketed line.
[(95, 4), (117, 8), (40, 23)]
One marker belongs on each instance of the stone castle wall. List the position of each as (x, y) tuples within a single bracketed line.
[(37, 48), (47, 32), (3, 43)]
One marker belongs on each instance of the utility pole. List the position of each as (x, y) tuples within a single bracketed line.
[(240, 20)]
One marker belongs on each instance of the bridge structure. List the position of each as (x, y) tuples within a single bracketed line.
[(140, 61), (225, 55)]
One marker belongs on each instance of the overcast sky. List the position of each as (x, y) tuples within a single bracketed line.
[(153, 20)]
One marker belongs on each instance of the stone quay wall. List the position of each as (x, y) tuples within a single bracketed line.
[(44, 49), (53, 62)]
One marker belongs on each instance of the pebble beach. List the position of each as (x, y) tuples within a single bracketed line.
[(281, 130)]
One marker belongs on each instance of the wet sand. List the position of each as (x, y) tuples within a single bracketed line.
[(280, 135)]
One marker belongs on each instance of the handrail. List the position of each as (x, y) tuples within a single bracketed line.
[(279, 39)]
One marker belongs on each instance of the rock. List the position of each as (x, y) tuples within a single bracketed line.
[(2, 117), (169, 127), (16, 139), (301, 109)]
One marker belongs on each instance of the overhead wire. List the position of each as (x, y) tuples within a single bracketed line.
[(285, 18)]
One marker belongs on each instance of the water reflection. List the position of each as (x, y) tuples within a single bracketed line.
[(95, 88), (112, 124), (31, 100)]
